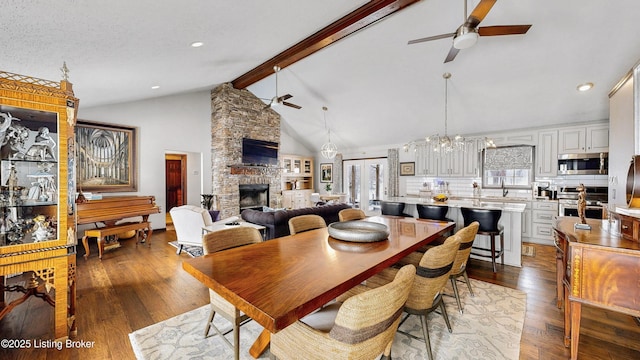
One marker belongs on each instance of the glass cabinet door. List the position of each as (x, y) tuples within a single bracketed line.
[(29, 176)]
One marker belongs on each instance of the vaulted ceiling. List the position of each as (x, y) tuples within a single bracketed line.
[(378, 89)]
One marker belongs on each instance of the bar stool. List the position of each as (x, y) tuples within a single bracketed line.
[(392, 208), (433, 212), (488, 220)]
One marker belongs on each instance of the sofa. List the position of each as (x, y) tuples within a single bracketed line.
[(277, 222)]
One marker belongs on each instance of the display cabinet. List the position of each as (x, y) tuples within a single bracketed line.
[(37, 180)]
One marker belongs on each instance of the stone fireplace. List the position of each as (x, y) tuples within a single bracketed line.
[(253, 196), (236, 114)]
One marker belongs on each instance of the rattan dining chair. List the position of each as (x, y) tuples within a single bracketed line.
[(466, 235), (426, 293), (304, 223), (351, 214), (361, 327), (222, 240)]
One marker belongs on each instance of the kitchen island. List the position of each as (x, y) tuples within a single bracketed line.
[(511, 219)]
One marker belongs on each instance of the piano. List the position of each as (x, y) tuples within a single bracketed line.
[(109, 211)]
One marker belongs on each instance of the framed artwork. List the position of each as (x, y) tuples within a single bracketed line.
[(407, 168), (106, 157), (326, 172)]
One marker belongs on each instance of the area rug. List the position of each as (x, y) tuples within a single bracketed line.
[(490, 328), (528, 250), (192, 250)]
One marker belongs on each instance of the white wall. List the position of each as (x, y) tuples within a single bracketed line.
[(179, 123)]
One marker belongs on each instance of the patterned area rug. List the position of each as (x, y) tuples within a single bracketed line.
[(490, 328), (193, 251)]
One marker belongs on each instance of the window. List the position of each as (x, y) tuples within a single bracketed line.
[(511, 166)]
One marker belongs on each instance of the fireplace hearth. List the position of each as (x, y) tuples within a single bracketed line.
[(253, 196)]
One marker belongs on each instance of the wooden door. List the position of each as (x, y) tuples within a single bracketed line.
[(175, 167)]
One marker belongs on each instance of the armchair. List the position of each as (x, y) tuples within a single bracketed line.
[(188, 221)]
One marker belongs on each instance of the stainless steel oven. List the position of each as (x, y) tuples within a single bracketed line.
[(595, 196)]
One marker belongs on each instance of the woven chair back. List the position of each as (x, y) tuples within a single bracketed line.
[(433, 273), (351, 214), (304, 223), (466, 235), (229, 238), (374, 313)]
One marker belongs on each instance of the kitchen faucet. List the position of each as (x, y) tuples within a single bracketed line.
[(504, 191)]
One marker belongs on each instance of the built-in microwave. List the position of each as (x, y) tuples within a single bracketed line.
[(583, 164)]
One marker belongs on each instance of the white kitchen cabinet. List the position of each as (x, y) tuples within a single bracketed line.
[(426, 161), (526, 222), (543, 214), (584, 139), (471, 164), (547, 153), (450, 164)]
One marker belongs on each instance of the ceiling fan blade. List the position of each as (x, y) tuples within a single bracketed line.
[(503, 30), (478, 14), (284, 97), (442, 36), (291, 105), (452, 54)]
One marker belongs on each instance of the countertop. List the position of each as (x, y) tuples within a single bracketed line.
[(504, 204)]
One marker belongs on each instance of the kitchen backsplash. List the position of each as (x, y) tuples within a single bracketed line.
[(464, 186)]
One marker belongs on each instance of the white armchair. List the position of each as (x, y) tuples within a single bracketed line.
[(188, 220)]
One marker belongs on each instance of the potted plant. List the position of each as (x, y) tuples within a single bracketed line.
[(328, 187)]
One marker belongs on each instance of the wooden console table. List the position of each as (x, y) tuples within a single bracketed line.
[(594, 267)]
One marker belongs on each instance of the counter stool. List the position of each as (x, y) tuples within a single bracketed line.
[(434, 212), (488, 220), (392, 208)]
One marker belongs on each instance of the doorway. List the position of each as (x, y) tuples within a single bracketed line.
[(175, 180), (364, 183)]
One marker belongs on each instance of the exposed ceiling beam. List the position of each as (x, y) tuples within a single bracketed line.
[(360, 18)]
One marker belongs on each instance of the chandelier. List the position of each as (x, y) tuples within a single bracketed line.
[(328, 149), (446, 144)]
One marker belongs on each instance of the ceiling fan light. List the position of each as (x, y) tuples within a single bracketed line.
[(465, 38)]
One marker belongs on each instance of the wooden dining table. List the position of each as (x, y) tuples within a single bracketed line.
[(279, 281)]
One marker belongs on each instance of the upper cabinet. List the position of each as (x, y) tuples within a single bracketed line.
[(585, 139), (547, 153), (297, 172)]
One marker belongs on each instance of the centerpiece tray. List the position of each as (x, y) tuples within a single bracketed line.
[(358, 231)]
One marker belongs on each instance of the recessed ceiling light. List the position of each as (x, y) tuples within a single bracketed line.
[(585, 86), (155, 87), (197, 44)]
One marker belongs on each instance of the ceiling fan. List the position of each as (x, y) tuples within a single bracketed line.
[(467, 34), (277, 100)]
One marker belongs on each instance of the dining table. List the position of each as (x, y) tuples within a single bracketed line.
[(279, 281)]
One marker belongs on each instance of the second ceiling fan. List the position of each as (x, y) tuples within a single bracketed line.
[(277, 100), (467, 34)]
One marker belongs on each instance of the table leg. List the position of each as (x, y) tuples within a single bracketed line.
[(567, 318), (576, 311), (100, 246), (85, 243), (260, 345)]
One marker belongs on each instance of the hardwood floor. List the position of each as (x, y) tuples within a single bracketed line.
[(133, 287)]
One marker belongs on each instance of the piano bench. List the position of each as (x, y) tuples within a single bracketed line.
[(114, 230)]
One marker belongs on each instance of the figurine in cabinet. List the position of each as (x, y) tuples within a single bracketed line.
[(14, 141), (42, 149)]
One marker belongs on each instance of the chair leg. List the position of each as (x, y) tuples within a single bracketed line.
[(502, 247), (466, 279), (443, 309), (179, 250), (454, 285), (493, 253), (425, 332), (208, 327)]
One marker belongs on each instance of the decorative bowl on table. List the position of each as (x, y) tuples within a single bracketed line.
[(358, 231), (440, 198)]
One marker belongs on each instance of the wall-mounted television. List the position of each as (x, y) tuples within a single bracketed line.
[(259, 152)]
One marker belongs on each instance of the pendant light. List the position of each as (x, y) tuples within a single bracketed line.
[(328, 149), (446, 144)]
